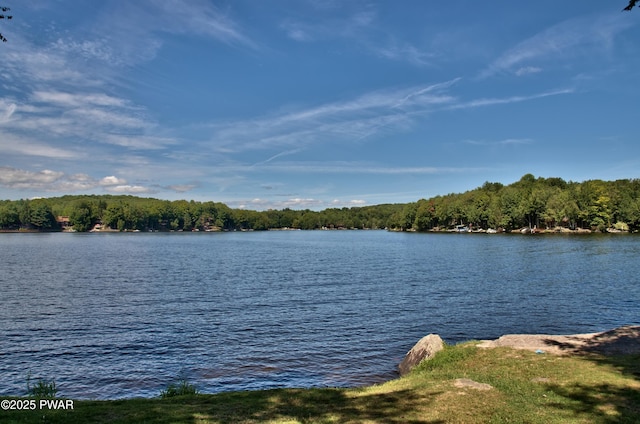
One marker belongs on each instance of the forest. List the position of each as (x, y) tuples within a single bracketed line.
[(540, 203)]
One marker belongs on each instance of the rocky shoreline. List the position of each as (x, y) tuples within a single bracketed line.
[(619, 341)]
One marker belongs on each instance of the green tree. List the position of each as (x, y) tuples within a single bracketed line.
[(9, 217), (425, 215), (510, 208), (114, 216), (82, 217), (41, 216), (480, 209), (561, 210), (24, 212), (594, 204), (408, 216)]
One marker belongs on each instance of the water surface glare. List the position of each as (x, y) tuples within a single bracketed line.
[(122, 315)]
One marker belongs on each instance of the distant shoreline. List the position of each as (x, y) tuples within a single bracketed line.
[(523, 231)]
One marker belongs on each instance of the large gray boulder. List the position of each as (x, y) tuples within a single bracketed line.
[(423, 350)]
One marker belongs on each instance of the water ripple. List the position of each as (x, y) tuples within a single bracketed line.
[(122, 315)]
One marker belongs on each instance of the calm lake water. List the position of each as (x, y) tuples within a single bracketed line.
[(122, 315)]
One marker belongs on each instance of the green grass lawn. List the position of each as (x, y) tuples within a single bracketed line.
[(527, 388)]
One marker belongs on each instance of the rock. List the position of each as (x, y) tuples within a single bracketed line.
[(465, 382), (423, 350), (619, 341)]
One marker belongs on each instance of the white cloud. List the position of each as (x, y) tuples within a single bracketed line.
[(402, 51), (20, 178), (112, 181), (23, 145), (508, 100), (264, 204), (295, 203), (349, 120), (182, 188), (128, 33), (360, 27), (54, 181), (328, 27), (198, 17), (369, 115), (587, 35), (131, 189), (28, 63), (141, 142), (62, 116), (526, 70), (308, 167), (505, 142), (77, 99), (9, 108), (88, 49), (360, 168)]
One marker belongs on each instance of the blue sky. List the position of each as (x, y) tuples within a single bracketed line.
[(314, 103)]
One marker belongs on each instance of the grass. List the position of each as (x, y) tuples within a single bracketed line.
[(527, 388), (42, 388), (182, 388)]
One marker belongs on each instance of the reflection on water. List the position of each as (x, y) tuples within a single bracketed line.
[(122, 315)]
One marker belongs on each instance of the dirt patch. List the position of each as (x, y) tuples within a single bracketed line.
[(465, 382), (619, 341)]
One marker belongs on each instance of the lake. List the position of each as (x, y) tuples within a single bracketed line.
[(122, 315)]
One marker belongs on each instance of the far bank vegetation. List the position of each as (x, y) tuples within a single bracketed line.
[(532, 204)]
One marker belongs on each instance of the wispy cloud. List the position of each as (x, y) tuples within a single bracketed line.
[(586, 35), (31, 64), (368, 116), (349, 120), (134, 37), (360, 168), (12, 144), (130, 189), (182, 188), (505, 142), (199, 17), (361, 28), (63, 117), (295, 203), (77, 100), (340, 167), (63, 105), (526, 70), (400, 51), (328, 28), (58, 181), (19, 178), (506, 100), (278, 155)]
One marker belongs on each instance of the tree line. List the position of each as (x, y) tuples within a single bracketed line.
[(543, 203), (130, 213)]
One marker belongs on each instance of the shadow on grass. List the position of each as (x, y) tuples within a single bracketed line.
[(604, 403), (619, 348), (608, 403), (317, 405), (280, 405), (619, 341)]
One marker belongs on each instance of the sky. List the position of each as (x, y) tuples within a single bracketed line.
[(314, 104)]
